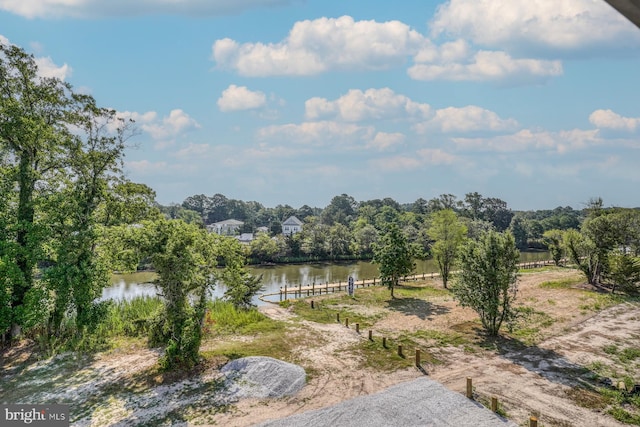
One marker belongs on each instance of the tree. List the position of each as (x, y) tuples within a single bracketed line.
[(487, 282), (342, 209), (33, 132), (185, 257), (553, 240), (394, 257), (448, 233), (582, 252), (624, 271), (518, 228)]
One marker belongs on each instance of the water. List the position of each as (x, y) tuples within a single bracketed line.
[(129, 286)]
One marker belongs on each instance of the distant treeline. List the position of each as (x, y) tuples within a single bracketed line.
[(347, 229)]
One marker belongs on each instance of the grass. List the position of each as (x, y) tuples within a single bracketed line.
[(562, 283), (223, 318), (529, 324)]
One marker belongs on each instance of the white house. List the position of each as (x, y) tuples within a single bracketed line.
[(291, 225), (226, 227)]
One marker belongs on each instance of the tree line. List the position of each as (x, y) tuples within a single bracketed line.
[(347, 229)]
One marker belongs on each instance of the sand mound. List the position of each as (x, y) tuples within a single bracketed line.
[(261, 377)]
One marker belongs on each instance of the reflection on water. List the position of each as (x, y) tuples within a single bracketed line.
[(128, 286)]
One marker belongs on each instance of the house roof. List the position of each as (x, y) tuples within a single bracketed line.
[(292, 220), (228, 222)]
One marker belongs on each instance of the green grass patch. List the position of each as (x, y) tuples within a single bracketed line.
[(529, 324), (624, 416), (223, 318), (562, 283), (386, 358)]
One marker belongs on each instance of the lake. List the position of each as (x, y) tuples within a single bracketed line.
[(129, 286)]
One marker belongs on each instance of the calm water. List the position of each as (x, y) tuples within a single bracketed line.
[(128, 286)]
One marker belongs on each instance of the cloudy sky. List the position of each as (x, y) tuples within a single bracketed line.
[(295, 101)]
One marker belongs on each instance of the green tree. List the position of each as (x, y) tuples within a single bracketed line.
[(553, 240), (448, 233), (624, 272), (33, 132), (582, 252), (263, 248), (394, 257), (487, 282), (518, 228)]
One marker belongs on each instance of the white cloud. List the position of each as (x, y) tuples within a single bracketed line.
[(466, 119), (526, 140), (235, 98), (99, 8), (171, 126), (383, 141), (423, 157), (487, 65), (372, 104), (535, 25), (323, 44), (607, 119), (319, 134), (47, 68), (144, 167)]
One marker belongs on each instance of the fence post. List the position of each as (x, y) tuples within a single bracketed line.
[(312, 305), (469, 388), (494, 404), (384, 342), (285, 291), (533, 422), (346, 322), (338, 317), (400, 350), (370, 335), (300, 290), (358, 328), (313, 288), (418, 357)]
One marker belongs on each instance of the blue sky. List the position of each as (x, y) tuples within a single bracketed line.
[(296, 101)]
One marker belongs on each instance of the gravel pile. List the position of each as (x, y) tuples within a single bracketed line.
[(421, 402), (261, 377)]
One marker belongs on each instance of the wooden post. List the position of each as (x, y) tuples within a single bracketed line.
[(400, 350), (374, 281), (418, 357), (280, 293), (285, 291), (346, 322), (312, 305), (494, 404), (339, 285), (300, 290), (338, 317), (370, 335), (384, 342), (469, 388), (358, 327), (313, 288), (533, 422)]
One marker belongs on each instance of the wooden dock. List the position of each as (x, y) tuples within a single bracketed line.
[(301, 291)]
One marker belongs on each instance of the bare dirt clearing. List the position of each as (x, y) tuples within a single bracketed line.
[(565, 340)]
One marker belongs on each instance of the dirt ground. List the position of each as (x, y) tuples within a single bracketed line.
[(528, 380), (536, 380)]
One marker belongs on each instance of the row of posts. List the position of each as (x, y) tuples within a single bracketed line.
[(533, 421)]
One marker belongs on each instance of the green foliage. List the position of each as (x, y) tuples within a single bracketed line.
[(553, 240), (624, 271), (394, 257), (448, 233), (224, 317), (582, 252), (488, 277)]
